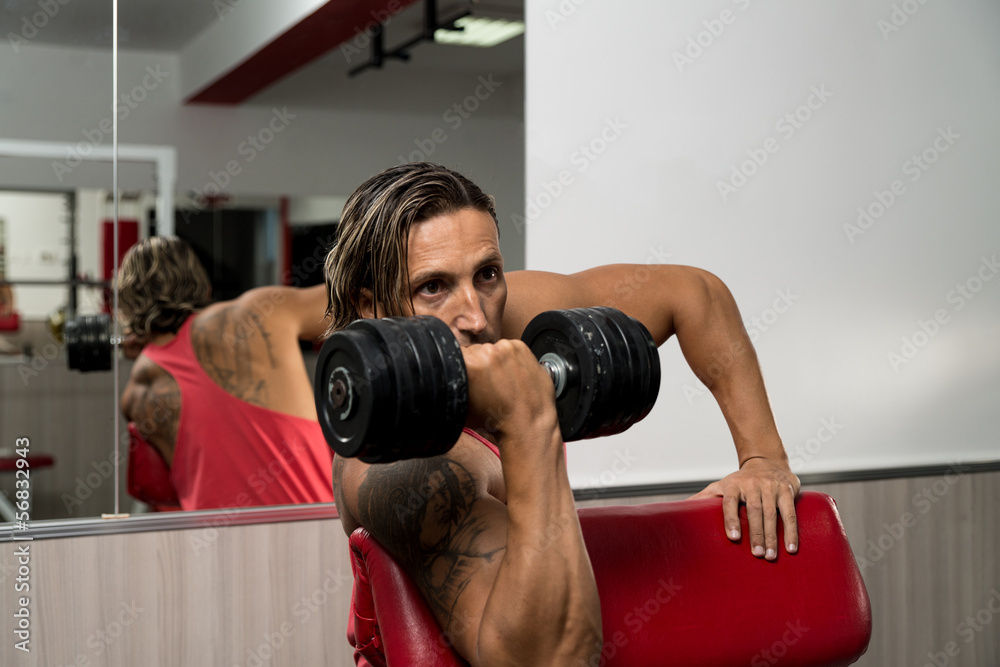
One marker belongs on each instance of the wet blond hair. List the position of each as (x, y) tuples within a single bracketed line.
[(373, 232), (160, 282)]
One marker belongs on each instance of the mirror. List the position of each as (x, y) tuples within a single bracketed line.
[(56, 95), (264, 163)]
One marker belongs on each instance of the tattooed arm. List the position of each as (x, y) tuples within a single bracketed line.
[(301, 309), (511, 584), (153, 401)]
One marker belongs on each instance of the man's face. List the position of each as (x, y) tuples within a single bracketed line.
[(456, 274)]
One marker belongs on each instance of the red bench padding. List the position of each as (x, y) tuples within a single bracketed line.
[(674, 591), (148, 474)]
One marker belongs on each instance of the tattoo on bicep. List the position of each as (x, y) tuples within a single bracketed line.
[(424, 511), (157, 410)]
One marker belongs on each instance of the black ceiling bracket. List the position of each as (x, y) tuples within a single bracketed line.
[(431, 25)]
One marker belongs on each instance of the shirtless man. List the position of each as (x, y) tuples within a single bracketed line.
[(420, 239), (221, 390)]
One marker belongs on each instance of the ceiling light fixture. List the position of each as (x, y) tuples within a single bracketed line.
[(482, 32)]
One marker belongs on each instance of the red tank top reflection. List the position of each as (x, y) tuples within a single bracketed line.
[(230, 453)]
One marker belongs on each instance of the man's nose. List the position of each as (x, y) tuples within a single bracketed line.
[(470, 320)]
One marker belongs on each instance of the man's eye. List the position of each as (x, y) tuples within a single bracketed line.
[(431, 288), (490, 273)]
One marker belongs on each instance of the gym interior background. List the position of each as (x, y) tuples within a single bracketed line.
[(835, 165)]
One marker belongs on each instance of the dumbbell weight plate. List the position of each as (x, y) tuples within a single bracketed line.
[(88, 343), (641, 386), (407, 395), (615, 364), (571, 337), (622, 376), (349, 385), (431, 389)]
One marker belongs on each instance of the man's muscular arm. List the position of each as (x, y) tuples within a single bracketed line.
[(152, 401), (510, 584), (307, 308), (697, 307)]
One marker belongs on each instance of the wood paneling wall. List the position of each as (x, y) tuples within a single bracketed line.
[(278, 594)]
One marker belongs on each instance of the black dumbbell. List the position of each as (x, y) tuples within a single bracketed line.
[(605, 366), (89, 343), (396, 388)]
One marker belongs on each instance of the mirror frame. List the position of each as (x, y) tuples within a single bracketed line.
[(163, 158)]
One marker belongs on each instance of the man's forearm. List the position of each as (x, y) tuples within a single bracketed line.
[(543, 608), (718, 350)]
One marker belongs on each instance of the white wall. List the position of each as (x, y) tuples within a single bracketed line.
[(302, 151), (675, 99)]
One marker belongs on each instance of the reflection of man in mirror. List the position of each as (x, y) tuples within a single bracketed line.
[(221, 389), (419, 239), (6, 315), (7, 320), (6, 300), (6, 291)]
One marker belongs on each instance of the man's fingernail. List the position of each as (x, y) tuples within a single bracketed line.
[(792, 548), (770, 554), (758, 550), (734, 534)]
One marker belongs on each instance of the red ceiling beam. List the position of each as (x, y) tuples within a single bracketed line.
[(325, 29)]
